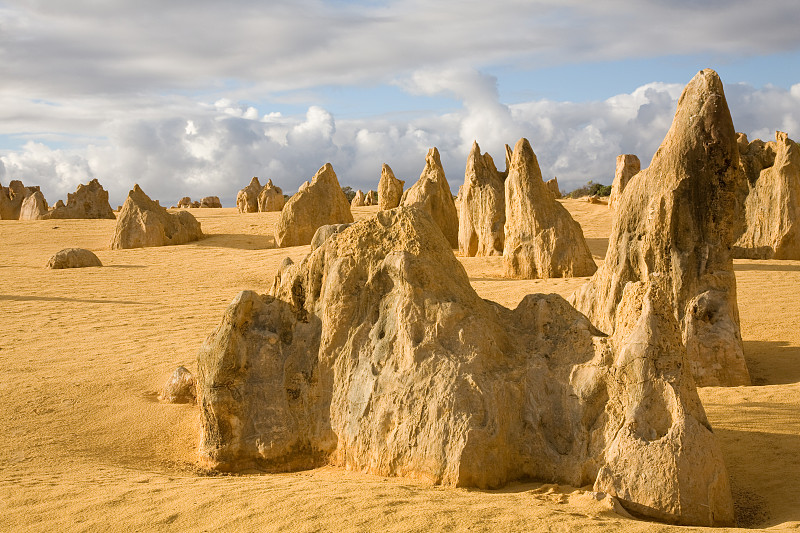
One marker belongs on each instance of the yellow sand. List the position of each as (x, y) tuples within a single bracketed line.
[(85, 446)]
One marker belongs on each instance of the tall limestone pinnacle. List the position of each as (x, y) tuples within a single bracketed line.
[(677, 220), (482, 210), (542, 240)]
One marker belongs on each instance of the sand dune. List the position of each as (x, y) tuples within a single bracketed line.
[(85, 446)]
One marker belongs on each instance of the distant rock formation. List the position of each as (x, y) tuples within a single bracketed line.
[(772, 208), (185, 202), (432, 194), (247, 198), (628, 166), (358, 199), (542, 240), (375, 354), (34, 207), (142, 223), (211, 201), (11, 199), (482, 210), (316, 204), (390, 189), (180, 388), (74, 258), (270, 198), (676, 222), (552, 186), (88, 201), (371, 198)]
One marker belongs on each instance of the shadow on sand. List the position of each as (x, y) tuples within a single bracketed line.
[(772, 362), (773, 266), (598, 247), (238, 241)]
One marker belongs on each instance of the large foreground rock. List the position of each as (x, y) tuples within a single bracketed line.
[(316, 204), (772, 208), (74, 258), (542, 240), (142, 223), (247, 198), (374, 353), (88, 201), (676, 220), (628, 165), (34, 207), (270, 198), (482, 210), (432, 193), (390, 189)]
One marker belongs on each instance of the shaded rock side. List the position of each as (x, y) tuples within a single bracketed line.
[(552, 186), (542, 240), (628, 165), (432, 193), (88, 201), (12, 197), (34, 207), (374, 353), (211, 201), (772, 208), (74, 258), (358, 199), (270, 198), (247, 198), (143, 223), (481, 211), (677, 219), (316, 204)]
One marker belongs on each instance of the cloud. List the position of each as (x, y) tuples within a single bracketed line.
[(214, 148)]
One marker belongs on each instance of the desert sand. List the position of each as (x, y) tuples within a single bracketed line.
[(85, 445)]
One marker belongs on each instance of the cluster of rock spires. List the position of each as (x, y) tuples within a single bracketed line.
[(18, 202), (254, 198), (208, 201), (361, 199), (143, 223)]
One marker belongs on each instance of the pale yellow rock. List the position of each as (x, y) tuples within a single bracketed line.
[(270, 198), (542, 240), (316, 204), (74, 258), (179, 388), (390, 189), (34, 207), (88, 201), (552, 186), (628, 165), (432, 193), (247, 198), (211, 201), (375, 353), (143, 223), (772, 208), (358, 199), (677, 220), (481, 207)]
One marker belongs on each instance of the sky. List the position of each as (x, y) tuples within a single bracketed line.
[(193, 98)]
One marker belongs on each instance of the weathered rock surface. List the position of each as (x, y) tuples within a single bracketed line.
[(358, 199), (247, 198), (375, 353), (323, 232), (179, 388), (142, 223), (755, 156), (390, 189), (195, 204), (677, 220), (628, 165), (552, 186), (482, 210), (88, 201), (185, 202), (211, 201), (432, 194), (74, 258), (270, 198), (371, 198), (772, 208), (316, 204), (11, 199), (542, 240), (34, 207)]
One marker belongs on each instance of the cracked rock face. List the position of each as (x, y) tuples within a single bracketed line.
[(772, 207), (318, 203), (375, 353), (482, 207), (677, 219), (542, 240), (142, 223), (432, 194)]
